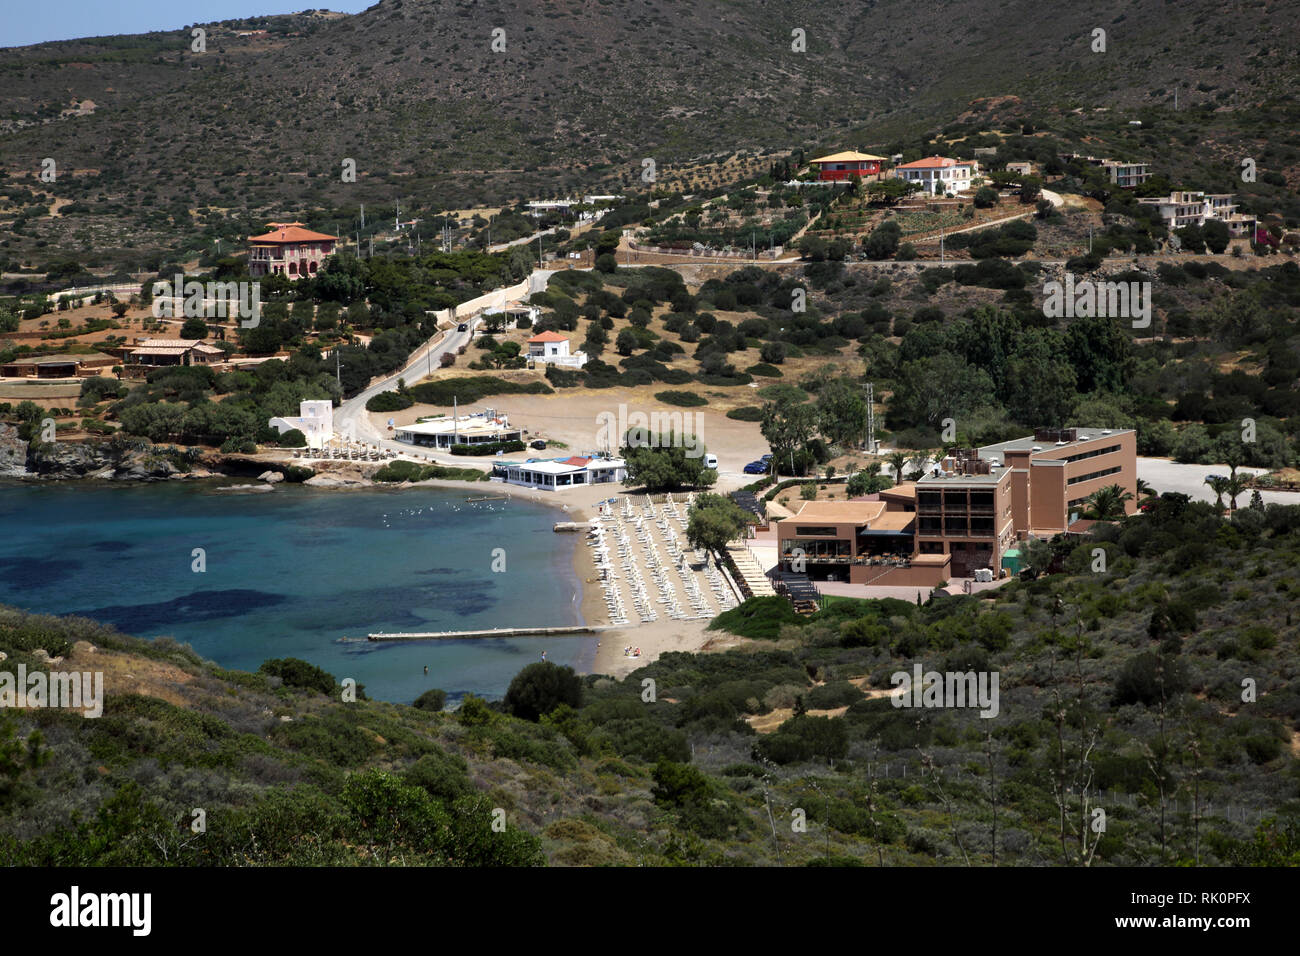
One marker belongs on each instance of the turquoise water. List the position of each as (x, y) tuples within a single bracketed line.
[(290, 572)]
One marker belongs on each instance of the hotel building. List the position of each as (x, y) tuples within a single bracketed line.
[(966, 514)]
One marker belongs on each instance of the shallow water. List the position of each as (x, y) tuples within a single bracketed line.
[(290, 572)]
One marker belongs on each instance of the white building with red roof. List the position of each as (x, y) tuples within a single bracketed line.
[(553, 348), (552, 474), (289, 250), (937, 175)]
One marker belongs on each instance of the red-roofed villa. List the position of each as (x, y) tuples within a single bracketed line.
[(938, 174), (289, 250), (553, 348)]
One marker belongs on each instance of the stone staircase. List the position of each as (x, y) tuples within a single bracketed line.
[(753, 580)]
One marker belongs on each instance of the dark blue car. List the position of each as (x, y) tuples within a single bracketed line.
[(758, 467)]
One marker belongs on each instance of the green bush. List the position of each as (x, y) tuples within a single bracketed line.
[(389, 402), (414, 471), (471, 389), (683, 399), (759, 617), (434, 700), (488, 448), (298, 673), (442, 775), (746, 413), (541, 687)]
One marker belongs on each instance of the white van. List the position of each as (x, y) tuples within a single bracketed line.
[(710, 461)]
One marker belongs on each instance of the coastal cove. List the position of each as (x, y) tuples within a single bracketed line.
[(291, 572)]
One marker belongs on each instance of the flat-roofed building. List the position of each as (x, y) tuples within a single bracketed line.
[(1187, 207), (1056, 470), (57, 366), (478, 429), (562, 473), (1126, 175), (964, 512), (862, 542), (315, 419)]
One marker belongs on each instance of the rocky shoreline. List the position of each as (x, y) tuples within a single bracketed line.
[(125, 459)]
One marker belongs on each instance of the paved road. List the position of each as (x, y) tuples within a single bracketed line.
[(351, 417)]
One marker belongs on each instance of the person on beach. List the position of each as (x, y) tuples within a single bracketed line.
[(426, 668)]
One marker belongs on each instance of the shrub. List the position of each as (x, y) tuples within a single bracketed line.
[(441, 775), (488, 448), (298, 673), (389, 402), (683, 399), (1146, 677), (746, 413), (541, 687), (759, 617), (434, 700)]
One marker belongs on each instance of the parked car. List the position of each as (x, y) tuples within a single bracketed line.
[(463, 327), (710, 461), (756, 468), (537, 443)]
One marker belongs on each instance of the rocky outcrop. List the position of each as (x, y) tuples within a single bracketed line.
[(13, 453), (119, 460), (337, 481)]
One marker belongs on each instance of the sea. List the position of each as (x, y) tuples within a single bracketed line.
[(302, 572)]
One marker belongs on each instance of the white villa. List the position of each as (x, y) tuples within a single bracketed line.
[(315, 420), (563, 473), (553, 348), (1188, 208), (938, 174)]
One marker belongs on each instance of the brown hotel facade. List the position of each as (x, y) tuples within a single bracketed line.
[(965, 514)]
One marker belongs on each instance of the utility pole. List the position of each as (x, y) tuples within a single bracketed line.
[(338, 376), (940, 245), (363, 216), (871, 418)]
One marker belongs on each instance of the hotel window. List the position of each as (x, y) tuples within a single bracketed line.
[(815, 531), (1092, 454), (1094, 475)]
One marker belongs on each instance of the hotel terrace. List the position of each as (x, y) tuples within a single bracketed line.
[(967, 514)]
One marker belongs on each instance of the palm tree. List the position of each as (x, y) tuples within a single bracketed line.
[(1107, 504), (897, 460), (1234, 487), (1219, 485), (1145, 490)]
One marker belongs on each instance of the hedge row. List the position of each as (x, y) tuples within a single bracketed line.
[(487, 448)]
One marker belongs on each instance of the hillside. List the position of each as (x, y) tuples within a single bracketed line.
[(155, 143), (1159, 690)]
